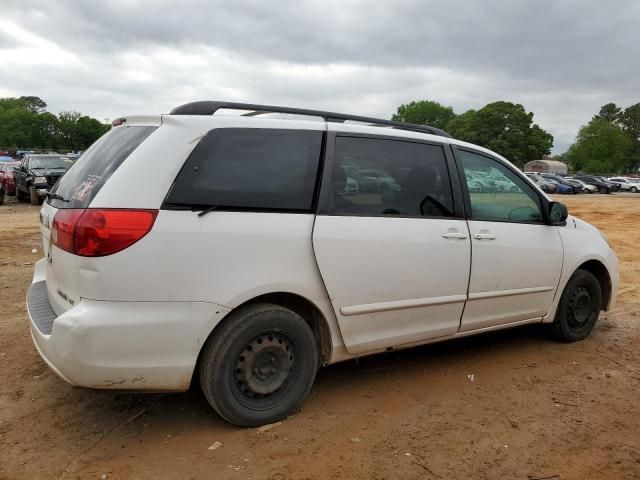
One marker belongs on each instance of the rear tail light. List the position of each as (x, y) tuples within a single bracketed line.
[(98, 232)]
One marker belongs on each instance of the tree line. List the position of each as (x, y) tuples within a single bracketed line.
[(26, 124), (609, 143)]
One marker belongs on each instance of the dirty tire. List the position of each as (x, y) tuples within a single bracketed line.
[(259, 366), (33, 196), (578, 309)]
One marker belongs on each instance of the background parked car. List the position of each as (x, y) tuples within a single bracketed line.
[(586, 187), (4, 159), (568, 187), (6, 177), (544, 185), (603, 187), (614, 186), (36, 174), (625, 184), (580, 186)]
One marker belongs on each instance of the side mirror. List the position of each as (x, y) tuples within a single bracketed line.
[(558, 213)]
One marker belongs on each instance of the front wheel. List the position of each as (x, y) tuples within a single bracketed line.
[(579, 308), (634, 190), (260, 366), (33, 196)]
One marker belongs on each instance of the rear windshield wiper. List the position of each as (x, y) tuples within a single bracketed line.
[(207, 210), (55, 196)]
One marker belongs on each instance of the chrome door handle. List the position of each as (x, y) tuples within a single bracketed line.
[(484, 236), (460, 235)]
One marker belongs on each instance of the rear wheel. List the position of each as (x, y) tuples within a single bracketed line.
[(579, 308), (633, 189), (260, 366)]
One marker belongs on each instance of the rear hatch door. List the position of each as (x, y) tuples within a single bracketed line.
[(76, 190)]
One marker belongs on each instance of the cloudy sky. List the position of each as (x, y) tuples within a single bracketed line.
[(562, 59)]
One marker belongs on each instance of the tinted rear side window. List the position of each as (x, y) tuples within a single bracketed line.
[(88, 174), (271, 169), (373, 177)]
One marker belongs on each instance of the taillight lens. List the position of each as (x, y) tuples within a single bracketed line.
[(63, 226), (98, 232)]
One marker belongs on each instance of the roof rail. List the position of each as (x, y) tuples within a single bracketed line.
[(210, 107)]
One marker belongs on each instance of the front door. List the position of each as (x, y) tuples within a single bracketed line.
[(391, 250), (517, 257)]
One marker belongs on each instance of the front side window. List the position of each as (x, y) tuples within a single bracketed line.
[(374, 177), (498, 194), (250, 168)]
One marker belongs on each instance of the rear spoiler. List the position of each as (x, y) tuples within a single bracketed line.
[(142, 120)]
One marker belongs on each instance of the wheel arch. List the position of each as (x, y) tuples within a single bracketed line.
[(298, 304), (599, 270)]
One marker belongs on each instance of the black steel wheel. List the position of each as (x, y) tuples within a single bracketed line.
[(263, 369), (579, 307), (259, 366)]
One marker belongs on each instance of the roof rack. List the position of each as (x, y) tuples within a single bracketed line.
[(210, 107)]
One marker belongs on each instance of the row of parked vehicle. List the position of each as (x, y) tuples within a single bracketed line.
[(33, 176), (573, 184)]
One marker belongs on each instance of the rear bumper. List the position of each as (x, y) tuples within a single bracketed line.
[(121, 345)]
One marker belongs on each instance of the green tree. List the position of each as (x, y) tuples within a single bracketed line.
[(630, 121), (601, 147), (25, 123), (88, 130), (425, 112), (16, 125), (68, 124), (45, 132), (609, 112), (505, 128)]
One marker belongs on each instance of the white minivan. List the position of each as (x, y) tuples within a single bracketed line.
[(240, 245)]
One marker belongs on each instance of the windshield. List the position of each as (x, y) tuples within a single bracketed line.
[(48, 162)]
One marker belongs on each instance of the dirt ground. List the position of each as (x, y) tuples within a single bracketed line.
[(536, 409)]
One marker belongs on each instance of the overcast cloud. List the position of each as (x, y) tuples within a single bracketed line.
[(561, 59)]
